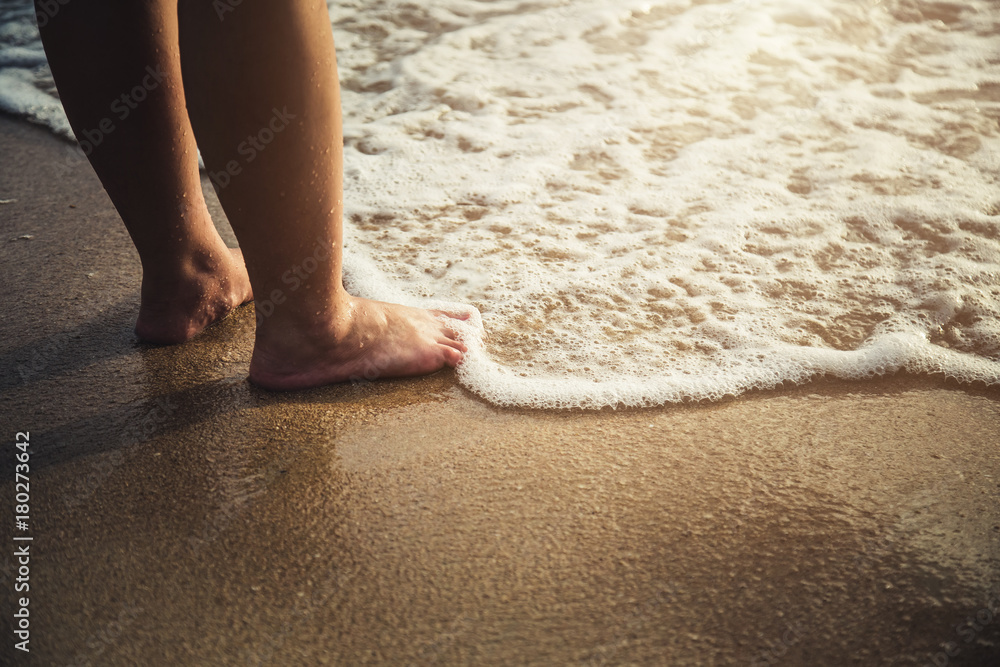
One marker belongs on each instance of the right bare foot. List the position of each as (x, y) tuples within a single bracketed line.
[(366, 340), (204, 289)]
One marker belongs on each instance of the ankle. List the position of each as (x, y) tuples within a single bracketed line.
[(191, 260), (179, 301), (299, 320)]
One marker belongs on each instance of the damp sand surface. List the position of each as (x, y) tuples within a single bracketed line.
[(182, 517)]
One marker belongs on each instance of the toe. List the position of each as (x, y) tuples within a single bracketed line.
[(452, 357), (455, 315), (453, 343)]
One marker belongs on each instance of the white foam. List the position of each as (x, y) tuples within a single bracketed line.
[(658, 201), (26, 87)]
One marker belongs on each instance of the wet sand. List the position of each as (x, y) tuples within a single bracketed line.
[(181, 516)]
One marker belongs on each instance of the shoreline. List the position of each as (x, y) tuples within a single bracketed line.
[(183, 516)]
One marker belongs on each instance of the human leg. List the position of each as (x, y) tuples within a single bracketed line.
[(117, 68), (264, 99)]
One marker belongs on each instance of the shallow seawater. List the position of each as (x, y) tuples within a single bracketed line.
[(650, 202)]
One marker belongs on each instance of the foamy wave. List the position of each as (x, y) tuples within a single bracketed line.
[(650, 202), (654, 202), (26, 87)]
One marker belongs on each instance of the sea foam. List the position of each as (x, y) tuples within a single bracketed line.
[(650, 202)]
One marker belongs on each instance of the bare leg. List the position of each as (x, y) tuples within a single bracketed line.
[(117, 67), (264, 100)]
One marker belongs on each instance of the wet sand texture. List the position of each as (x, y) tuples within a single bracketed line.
[(182, 517)]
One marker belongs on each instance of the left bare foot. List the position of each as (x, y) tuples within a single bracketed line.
[(202, 290)]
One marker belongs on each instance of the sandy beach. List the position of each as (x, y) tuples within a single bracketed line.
[(180, 516)]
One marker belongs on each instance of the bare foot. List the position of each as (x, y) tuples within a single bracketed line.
[(177, 306), (368, 340)]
